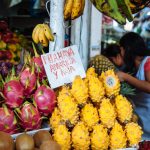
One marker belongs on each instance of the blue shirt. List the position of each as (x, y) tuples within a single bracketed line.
[(142, 103)]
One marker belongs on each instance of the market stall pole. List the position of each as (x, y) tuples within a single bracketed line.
[(57, 25), (80, 33)]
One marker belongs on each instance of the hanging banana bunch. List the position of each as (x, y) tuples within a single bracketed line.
[(73, 9), (120, 10), (137, 5), (42, 34)]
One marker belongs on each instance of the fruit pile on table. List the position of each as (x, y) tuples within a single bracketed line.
[(41, 140), (26, 97), (11, 44), (92, 114)]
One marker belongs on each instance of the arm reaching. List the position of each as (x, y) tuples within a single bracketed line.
[(139, 84)]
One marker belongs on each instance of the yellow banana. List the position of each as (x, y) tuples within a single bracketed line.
[(83, 5), (42, 38), (76, 9), (48, 32), (35, 33), (68, 9)]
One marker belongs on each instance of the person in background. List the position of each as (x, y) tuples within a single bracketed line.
[(114, 53), (137, 60)]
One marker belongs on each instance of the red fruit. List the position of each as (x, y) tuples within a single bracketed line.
[(3, 25), (1, 35), (13, 91), (8, 121), (8, 54), (39, 67), (28, 80), (45, 99), (29, 117)]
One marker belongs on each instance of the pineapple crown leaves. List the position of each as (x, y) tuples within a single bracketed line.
[(127, 90)]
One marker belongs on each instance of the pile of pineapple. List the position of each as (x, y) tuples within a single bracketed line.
[(91, 114)]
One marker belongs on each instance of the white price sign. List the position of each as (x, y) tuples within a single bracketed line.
[(62, 66)]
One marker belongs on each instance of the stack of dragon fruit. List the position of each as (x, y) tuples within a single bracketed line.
[(25, 98)]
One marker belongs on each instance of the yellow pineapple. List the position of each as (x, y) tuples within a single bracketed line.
[(111, 83), (63, 137), (80, 137), (69, 110), (96, 89), (123, 108), (55, 119), (63, 93), (89, 115), (107, 113), (133, 133), (118, 138), (91, 73), (99, 138), (79, 90)]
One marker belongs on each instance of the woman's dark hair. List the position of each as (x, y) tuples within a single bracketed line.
[(112, 50), (133, 45)]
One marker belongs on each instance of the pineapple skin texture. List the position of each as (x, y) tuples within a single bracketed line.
[(123, 108), (99, 138), (63, 93), (55, 119), (96, 89), (79, 90), (107, 113), (91, 73), (89, 115), (80, 137), (62, 137), (133, 133), (111, 83), (101, 63), (117, 137), (69, 110)]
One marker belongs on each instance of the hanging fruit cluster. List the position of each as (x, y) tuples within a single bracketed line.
[(42, 34), (25, 98), (120, 10), (92, 113), (73, 9)]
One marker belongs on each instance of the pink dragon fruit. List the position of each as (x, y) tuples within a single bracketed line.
[(29, 117), (28, 80), (13, 91), (8, 121), (44, 98), (39, 67)]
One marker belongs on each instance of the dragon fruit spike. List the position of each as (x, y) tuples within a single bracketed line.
[(8, 122), (13, 91), (29, 117), (35, 52), (39, 67)]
